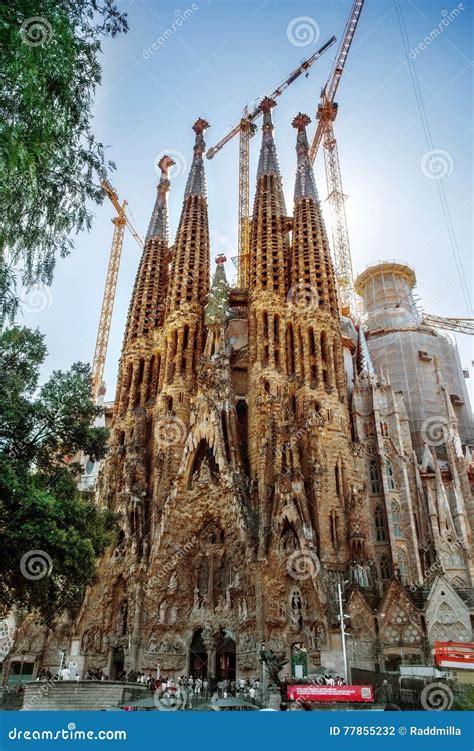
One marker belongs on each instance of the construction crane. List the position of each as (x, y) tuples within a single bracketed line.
[(246, 128), (120, 222), (460, 325), (326, 114)]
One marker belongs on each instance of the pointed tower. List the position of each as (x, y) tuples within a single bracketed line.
[(147, 306), (312, 295), (269, 252), (269, 242), (190, 266), (148, 300), (183, 338), (312, 274)]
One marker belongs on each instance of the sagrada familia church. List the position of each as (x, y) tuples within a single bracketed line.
[(267, 452)]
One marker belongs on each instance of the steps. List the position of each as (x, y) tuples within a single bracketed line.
[(79, 695)]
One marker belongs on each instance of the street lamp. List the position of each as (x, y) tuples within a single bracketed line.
[(343, 632), (263, 689)]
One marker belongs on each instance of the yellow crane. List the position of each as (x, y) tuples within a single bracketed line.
[(246, 129), (120, 222), (459, 325), (326, 114)]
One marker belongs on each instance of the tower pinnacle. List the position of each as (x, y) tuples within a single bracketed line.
[(196, 184), (305, 186), (268, 162), (189, 278), (159, 223), (311, 265)]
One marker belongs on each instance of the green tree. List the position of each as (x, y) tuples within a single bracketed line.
[(41, 508), (51, 165)]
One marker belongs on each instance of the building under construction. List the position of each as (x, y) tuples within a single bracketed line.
[(270, 453), (265, 450)]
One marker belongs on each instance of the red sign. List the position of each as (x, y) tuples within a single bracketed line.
[(315, 692)]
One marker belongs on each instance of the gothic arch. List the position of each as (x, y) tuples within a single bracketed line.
[(202, 454)]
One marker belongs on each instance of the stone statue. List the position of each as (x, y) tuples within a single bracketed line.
[(163, 607)]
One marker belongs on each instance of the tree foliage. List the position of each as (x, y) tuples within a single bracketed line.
[(41, 509), (51, 165)]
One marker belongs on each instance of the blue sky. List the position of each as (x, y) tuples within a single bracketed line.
[(226, 55)]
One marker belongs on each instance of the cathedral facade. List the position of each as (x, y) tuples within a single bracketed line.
[(260, 462)]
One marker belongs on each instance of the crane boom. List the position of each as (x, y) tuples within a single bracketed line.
[(278, 92), (461, 325), (324, 133), (112, 194), (329, 91)]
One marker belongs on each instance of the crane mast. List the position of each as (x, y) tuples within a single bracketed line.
[(246, 129), (326, 114), (108, 300), (120, 222)]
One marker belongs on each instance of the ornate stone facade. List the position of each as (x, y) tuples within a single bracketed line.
[(257, 460)]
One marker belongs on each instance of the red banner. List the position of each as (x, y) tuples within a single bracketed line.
[(315, 692)]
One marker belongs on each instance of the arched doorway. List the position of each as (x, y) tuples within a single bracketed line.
[(198, 656), (118, 662), (225, 657)]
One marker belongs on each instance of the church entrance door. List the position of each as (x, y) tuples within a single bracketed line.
[(118, 661), (225, 662), (198, 656)]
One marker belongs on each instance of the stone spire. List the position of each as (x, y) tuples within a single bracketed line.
[(269, 243), (147, 305), (364, 359), (305, 185), (268, 161), (312, 274), (217, 311), (189, 279), (196, 184), (159, 222)]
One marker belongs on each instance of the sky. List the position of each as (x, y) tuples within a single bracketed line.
[(228, 54)]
